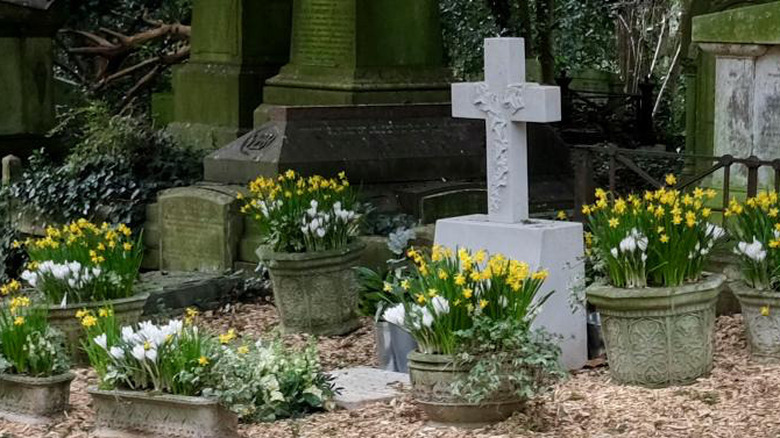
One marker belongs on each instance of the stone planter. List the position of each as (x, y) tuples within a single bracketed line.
[(135, 414), (315, 293), (658, 337), (432, 376), (126, 310), (393, 345), (34, 400), (763, 330)]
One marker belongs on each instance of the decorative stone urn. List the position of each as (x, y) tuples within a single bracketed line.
[(34, 400), (315, 292), (432, 377), (658, 337), (126, 310), (761, 314), (130, 414)]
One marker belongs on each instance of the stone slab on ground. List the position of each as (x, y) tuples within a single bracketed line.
[(172, 292), (362, 386)]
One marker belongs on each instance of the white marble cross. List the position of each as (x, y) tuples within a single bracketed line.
[(506, 102)]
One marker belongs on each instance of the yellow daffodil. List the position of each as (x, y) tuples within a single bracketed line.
[(203, 361)]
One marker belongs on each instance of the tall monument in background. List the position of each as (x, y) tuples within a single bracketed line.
[(236, 46), (366, 91)]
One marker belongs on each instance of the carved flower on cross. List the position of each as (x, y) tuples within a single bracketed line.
[(513, 97)]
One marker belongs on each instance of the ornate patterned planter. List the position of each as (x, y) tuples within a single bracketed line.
[(134, 414), (315, 293), (127, 311), (432, 377), (658, 337), (763, 328), (34, 400)]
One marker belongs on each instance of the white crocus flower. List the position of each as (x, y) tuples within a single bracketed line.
[(440, 305), (395, 315), (614, 252), (139, 353), (117, 353), (102, 341), (754, 251)]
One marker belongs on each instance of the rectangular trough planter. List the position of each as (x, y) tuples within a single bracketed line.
[(34, 400), (135, 414)]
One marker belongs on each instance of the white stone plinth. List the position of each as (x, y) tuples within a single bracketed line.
[(556, 246)]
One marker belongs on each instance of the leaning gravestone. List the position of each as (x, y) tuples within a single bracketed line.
[(746, 44), (27, 28), (200, 228), (507, 103)]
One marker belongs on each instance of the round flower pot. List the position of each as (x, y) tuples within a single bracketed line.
[(316, 292), (658, 337), (128, 414), (126, 310), (393, 345), (761, 313), (432, 376), (34, 400)]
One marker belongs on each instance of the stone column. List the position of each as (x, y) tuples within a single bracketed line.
[(746, 45), (26, 73), (362, 52), (236, 45)]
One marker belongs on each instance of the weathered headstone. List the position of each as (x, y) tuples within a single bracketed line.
[(746, 44), (200, 227), (506, 102), (26, 72), (236, 45)]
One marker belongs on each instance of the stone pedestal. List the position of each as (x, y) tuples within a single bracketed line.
[(371, 143), (347, 52), (746, 45), (236, 45), (26, 73), (556, 246)]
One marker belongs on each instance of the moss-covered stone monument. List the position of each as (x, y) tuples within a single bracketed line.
[(236, 45), (26, 72)]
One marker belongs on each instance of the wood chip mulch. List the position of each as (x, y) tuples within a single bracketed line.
[(740, 399)]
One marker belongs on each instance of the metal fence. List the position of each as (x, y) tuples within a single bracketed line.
[(585, 182)]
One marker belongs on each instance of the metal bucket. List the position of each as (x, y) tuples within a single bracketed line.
[(393, 345)]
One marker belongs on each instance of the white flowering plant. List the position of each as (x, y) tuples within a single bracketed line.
[(662, 239), (83, 262), (172, 358), (756, 227), (303, 214), (266, 381), (446, 292), (479, 309), (28, 345)]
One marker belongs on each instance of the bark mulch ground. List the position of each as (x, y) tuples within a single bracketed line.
[(740, 398)]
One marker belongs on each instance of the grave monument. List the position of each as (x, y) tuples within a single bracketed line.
[(27, 28), (236, 45), (746, 46), (366, 91), (507, 103)]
